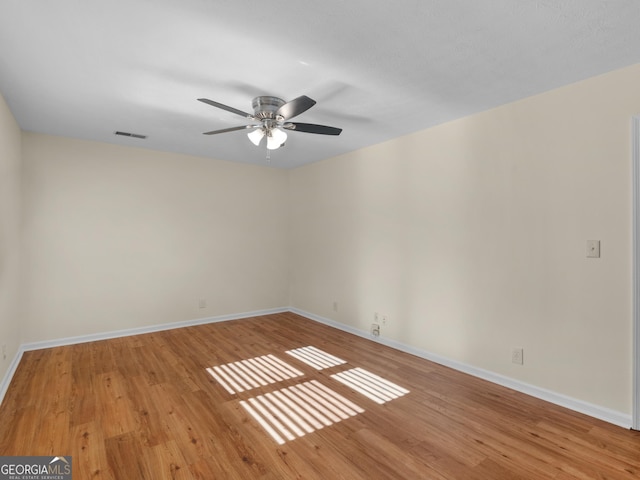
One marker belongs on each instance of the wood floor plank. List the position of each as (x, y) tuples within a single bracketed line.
[(168, 461), (126, 458), (115, 406), (146, 407), (19, 431), (90, 458)]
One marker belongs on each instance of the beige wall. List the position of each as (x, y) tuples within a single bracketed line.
[(10, 236), (471, 237), (120, 237)]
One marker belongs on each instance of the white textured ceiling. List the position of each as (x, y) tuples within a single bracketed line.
[(378, 69)]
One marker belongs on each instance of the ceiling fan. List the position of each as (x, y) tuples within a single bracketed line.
[(272, 115)]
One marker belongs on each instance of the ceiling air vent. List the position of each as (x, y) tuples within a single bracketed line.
[(134, 135)]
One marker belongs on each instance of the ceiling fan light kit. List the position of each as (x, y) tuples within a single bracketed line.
[(272, 115), (256, 136), (276, 138)]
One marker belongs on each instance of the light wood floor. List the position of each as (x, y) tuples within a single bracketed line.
[(145, 407)]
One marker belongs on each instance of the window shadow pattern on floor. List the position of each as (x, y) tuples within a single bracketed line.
[(294, 411), (252, 373)]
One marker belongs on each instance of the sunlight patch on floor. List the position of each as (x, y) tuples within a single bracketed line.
[(315, 357), (297, 410), (294, 411), (370, 385), (252, 373)]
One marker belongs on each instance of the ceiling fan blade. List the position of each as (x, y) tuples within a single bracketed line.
[(225, 107), (295, 107), (231, 129), (312, 128)]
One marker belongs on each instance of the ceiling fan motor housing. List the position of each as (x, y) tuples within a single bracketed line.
[(266, 106)]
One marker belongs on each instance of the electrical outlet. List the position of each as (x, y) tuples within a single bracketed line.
[(376, 317), (335, 306), (517, 355), (385, 319), (202, 303), (593, 248), (375, 329)]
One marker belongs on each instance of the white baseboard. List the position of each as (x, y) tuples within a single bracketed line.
[(596, 411), (6, 380), (602, 413), (150, 329)]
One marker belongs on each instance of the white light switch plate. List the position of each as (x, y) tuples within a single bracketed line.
[(593, 248)]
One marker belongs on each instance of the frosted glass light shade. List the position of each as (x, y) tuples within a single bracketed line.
[(256, 136), (276, 138)]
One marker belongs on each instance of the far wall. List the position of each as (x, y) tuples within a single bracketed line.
[(120, 238)]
